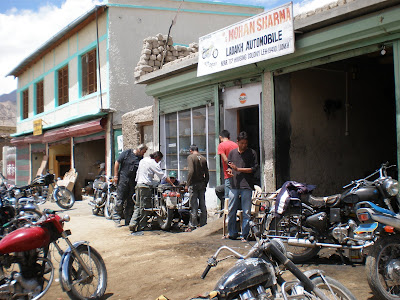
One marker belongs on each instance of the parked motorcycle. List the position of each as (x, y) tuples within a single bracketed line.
[(383, 259), (103, 189), (40, 187), (259, 275), (27, 271), (310, 223)]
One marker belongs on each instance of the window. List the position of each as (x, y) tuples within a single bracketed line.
[(39, 97), (25, 104), (89, 76), (181, 129), (63, 86)]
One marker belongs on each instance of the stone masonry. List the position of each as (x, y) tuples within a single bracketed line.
[(157, 52)]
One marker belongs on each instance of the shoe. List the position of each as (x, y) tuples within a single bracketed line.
[(117, 224), (133, 228)]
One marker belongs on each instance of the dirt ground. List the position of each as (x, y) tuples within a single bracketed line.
[(170, 263)]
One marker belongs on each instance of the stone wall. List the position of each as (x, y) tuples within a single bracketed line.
[(157, 52), (131, 122)]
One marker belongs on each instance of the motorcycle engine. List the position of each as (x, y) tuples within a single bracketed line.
[(343, 231)]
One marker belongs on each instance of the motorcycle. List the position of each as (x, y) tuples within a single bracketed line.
[(259, 275), (166, 204), (310, 223), (383, 260), (39, 189), (104, 189), (27, 271)]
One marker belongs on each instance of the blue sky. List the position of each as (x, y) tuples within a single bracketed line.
[(27, 24)]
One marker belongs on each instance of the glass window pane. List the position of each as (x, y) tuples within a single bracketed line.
[(199, 129), (211, 146), (171, 157)]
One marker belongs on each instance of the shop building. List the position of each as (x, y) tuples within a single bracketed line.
[(324, 114), (73, 90)]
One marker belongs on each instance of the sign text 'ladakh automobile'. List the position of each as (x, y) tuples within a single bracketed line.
[(26, 270)]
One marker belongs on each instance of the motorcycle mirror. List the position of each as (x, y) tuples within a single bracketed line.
[(66, 218)]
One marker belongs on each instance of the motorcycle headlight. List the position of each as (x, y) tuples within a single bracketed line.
[(391, 187)]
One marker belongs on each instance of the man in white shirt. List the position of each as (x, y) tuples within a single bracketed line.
[(148, 168)]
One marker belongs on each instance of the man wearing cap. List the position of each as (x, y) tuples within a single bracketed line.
[(173, 177), (197, 181)]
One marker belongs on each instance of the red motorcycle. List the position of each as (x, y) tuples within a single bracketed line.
[(26, 270)]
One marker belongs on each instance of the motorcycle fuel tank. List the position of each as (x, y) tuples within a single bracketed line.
[(366, 193), (24, 239), (245, 274)]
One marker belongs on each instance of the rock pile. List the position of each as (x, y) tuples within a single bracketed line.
[(157, 51)]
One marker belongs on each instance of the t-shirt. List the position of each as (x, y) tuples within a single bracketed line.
[(148, 168), (226, 147), (246, 159), (197, 169), (129, 163)]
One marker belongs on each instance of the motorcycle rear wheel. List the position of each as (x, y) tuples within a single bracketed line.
[(331, 285), (109, 207), (384, 257), (90, 288), (288, 225), (64, 197)]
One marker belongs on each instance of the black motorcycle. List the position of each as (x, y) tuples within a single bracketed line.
[(259, 275), (310, 223)]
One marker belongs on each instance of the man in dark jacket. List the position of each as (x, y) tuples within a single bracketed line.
[(125, 169), (196, 184)]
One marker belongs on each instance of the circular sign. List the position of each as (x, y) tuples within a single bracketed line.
[(243, 98)]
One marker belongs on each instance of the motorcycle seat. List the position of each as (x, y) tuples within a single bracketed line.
[(327, 201)]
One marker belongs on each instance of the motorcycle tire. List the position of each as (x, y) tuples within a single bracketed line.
[(385, 252), (286, 225), (64, 197), (93, 288), (95, 211), (164, 218), (329, 285), (109, 207)]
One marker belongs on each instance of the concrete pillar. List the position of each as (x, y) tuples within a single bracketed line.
[(268, 133)]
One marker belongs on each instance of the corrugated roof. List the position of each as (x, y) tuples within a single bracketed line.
[(57, 39)]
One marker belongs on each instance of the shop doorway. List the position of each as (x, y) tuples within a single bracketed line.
[(59, 159), (248, 120), (336, 122)]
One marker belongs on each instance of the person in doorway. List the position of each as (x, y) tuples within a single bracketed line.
[(225, 146), (125, 169), (148, 168), (243, 164), (197, 181)]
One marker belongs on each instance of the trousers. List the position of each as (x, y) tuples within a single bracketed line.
[(197, 200), (143, 200)]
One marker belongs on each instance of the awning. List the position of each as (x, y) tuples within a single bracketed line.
[(51, 136)]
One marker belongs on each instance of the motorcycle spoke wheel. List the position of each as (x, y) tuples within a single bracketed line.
[(289, 225), (64, 197), (382, 265), (82, 285), (332, 289), (164, 217), (109, 207)]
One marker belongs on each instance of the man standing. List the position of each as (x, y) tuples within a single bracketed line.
[(243, 164), (148, 168), (225, 146), (196, 184), (125, 169)]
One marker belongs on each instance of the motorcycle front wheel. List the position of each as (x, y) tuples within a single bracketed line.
[(64, 197), (164, 217), (382, 266), (332, 288), (82, 286), (289, 225), (109, 207)]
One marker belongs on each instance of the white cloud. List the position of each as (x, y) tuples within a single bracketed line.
[(23, 31), (309, 5)]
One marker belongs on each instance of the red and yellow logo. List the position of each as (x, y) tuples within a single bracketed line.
[(243, 98)]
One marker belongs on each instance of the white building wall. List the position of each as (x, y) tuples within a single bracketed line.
[(46, 68)]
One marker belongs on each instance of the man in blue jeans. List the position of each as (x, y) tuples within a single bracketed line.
[(242, 164)]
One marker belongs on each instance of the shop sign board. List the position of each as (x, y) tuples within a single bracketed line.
[(264, 36), (37, 127)]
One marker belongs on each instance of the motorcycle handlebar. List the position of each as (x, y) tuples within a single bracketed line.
[(205, 272)]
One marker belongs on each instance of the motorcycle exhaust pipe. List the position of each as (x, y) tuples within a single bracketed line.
[(309, 244), (391, 221)]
